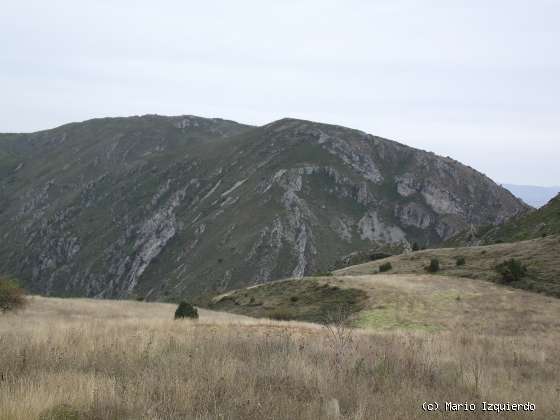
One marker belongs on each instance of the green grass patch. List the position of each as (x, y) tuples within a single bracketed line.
[(309, 299), (390, 318)]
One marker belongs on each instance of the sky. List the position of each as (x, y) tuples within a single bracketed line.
[(476, 80)]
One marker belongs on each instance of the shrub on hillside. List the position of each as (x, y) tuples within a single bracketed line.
[(12, 296), (459, 261), (385, 267), (186, 310), (511, 270), (434, 266)]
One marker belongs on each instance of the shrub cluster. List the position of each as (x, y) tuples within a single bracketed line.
[(434, 266), (385, 267), (459, 261), (186, 310), (511, 270), (12, 296)]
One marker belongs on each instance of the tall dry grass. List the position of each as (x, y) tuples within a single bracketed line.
[(69, 359)]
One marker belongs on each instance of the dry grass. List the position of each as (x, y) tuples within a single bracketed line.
[(542, 257), (80, 358), (443, 303)]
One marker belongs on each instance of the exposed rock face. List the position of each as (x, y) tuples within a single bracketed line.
[(163, 206)]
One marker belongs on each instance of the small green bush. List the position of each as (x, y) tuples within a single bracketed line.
[(434, 266), (385, 267), (511, 270), (186, 310), (459, 261), (294, 298), (12, 297)]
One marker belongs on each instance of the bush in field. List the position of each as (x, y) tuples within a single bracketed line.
[(459, 261), (186, 310), (434, 266), (385, 267), (511, 270), (12, 297)]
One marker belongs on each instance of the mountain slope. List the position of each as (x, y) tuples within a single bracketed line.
[(541, 256), (538, 223), (165, 206), (413, 302)]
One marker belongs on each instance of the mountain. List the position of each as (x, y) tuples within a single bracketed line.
[(158, 207), (533, 195), (534, 224)]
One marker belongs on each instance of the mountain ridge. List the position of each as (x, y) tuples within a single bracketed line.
[(162, 206), (541, 222)]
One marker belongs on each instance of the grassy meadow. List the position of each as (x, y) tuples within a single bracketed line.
[(542, 257), (90, 359)]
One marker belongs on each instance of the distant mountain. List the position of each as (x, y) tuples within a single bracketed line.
[(537, 223), (160, 207), (533, 195)]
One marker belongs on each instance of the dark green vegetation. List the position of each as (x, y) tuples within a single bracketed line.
[(311, 299), (385, 267), (12, 297), (511, 270), (540, 257), (460, 260), (433, 267), (534, 224), (186, 310), (163, 207)]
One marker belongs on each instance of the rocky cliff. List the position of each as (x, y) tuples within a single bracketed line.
[(159, 207)]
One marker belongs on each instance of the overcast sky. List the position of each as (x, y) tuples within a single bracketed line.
[(477, 80)]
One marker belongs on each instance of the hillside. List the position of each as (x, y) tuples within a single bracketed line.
[(389, 302), (538, 223), (160, 207), (541, 256)]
